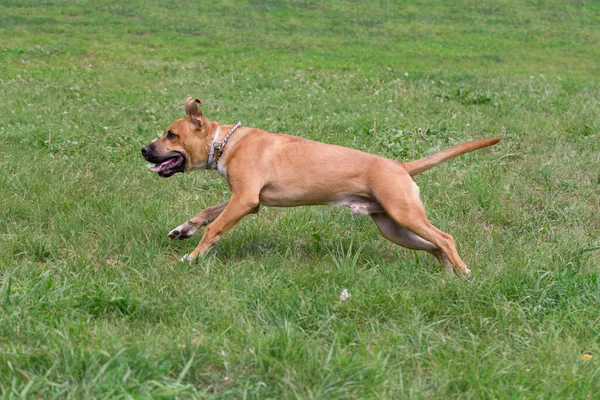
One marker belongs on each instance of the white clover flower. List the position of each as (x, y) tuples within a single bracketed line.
[(345, 295)]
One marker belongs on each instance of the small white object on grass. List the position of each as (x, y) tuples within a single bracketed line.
[(345, 295)]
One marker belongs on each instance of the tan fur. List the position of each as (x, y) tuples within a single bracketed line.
[(282, 170)]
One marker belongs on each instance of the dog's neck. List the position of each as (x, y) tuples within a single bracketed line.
[(217, 147), (211, 153)]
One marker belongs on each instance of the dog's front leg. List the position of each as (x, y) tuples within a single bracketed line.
[(236, 209), (203, 218)]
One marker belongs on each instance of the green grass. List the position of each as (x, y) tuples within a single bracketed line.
[(94, 302)]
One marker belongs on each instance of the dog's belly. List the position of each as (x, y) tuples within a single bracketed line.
[(358, 204), (276, 197)]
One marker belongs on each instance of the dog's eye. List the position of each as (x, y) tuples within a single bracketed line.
[(171, 135)]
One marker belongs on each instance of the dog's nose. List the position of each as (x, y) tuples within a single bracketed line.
[(146, 150)]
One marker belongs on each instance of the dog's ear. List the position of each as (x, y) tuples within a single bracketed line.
[(194, 113)]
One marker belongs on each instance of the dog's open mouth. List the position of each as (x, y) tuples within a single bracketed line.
[(170, 165)]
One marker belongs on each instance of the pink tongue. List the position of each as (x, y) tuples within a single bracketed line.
[(163, 164)]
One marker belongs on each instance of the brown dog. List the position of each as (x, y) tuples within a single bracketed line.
[(285, 171)]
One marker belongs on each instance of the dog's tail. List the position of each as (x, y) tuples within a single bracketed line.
[(423, 164)]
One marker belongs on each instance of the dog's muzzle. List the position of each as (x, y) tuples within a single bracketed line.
[(167, 164)]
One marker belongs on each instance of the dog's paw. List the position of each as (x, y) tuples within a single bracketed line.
[(183, 231), (187, 258), (466, 273)]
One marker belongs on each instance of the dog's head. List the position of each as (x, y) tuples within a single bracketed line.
[(183, 146)]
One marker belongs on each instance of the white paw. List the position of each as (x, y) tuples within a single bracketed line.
[(183, 231), (466, 273), (187, 258)]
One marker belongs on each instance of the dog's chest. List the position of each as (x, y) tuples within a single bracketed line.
[(221, 170)]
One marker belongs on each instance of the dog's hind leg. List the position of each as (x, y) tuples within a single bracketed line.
[(393, 232), (203, 218), (400, 199)]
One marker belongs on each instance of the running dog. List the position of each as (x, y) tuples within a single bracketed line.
[(273, 169)]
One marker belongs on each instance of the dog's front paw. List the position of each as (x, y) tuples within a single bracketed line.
[(187, 258), (183, 231)]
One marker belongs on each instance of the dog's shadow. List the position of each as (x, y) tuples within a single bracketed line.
[(260, 246), (315, 234)]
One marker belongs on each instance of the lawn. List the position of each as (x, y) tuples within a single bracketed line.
[(94, 302)]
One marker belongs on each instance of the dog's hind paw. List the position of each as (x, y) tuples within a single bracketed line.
[(183, 231), (466, 273)]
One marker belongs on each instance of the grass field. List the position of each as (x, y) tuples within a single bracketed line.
[(94, 302)]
